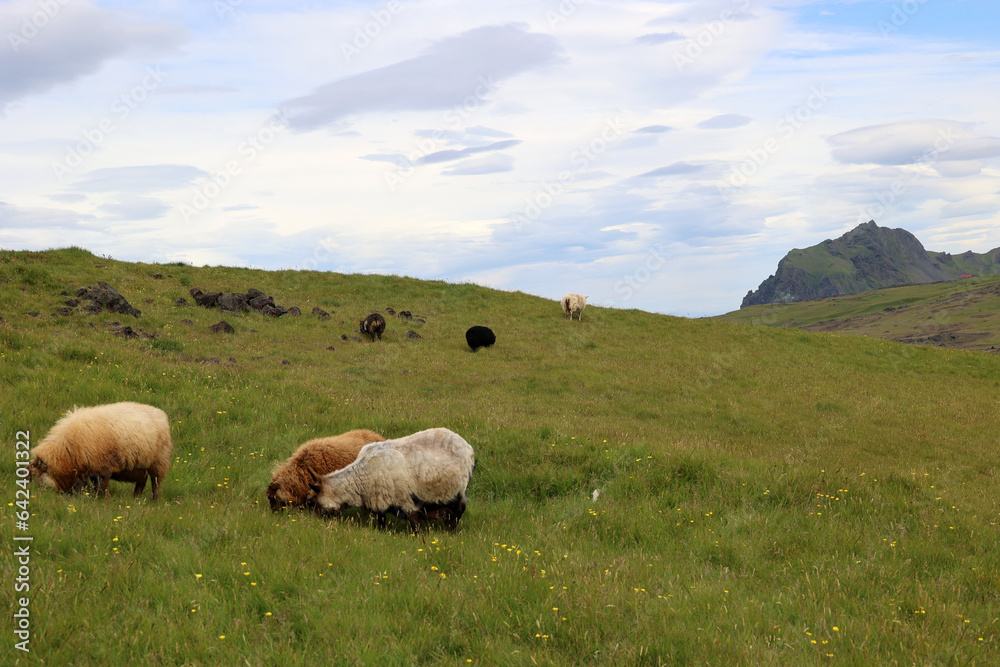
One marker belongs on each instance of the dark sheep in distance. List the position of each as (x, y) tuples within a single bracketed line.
[(478, 337), (373, 325)]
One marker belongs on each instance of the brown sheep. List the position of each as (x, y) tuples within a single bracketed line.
[(320, 456), (373, 325), (125, 441)]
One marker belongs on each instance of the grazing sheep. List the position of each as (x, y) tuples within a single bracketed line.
[(423, 475), (573, 304), (478, 337), (373, 325), (116, 441), (317, 457)]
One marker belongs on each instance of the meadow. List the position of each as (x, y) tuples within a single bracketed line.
[(763, 495)]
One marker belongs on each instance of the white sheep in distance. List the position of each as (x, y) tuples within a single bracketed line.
[(122, 441), (573, 304), (424, 475)]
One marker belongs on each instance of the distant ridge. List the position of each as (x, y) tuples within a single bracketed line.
[(866, 258)]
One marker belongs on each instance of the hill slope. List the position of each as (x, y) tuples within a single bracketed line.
[(866, 258), (764, 496), (961, 314)]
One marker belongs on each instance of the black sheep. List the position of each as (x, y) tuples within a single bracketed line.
[(478, 337)]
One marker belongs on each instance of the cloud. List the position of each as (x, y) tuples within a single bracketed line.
[(673, 170), (451, 155), (725, 122), (654, 38), (437, 157), (492, 164), (910, 141), (76, 40), (147, 178), (654, 129), (48, 219), (195, 89), (466, 66), (134, 207)]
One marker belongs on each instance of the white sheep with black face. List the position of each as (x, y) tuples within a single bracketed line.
[(420, 476)]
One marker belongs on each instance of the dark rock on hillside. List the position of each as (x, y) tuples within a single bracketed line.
[(233, 303), (125, 332), (320, 313), (104, 297), (181, 301), (413, 334), (273, 311), (866, 258), (222, 327), (294, 311)]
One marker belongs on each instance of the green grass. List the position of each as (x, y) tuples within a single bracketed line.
[(961, 313), (760, 489)]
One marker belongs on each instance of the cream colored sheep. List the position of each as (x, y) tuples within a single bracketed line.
[(573, 304), (424, 475), (117, 441)]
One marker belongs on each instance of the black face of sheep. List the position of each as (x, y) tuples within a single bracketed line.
[(478, 337), (373, 325)]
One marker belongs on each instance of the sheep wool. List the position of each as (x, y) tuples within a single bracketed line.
[(124, 441), (424, 475), (573, 304), (313, 459), (373, 325)]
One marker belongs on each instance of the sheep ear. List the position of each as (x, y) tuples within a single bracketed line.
[(272, 489), (315, 487)]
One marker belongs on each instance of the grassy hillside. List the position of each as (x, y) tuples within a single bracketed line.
[(962, 314), (766, 495)]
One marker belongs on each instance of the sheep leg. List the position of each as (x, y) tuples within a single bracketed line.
[(140, 486), (156, 487), (414, 518), (381, 520), (103, 487)]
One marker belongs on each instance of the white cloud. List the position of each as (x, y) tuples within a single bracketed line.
[(59, 43)]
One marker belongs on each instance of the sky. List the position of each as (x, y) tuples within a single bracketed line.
[(654, 155)]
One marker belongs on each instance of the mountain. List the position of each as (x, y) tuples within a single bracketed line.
[(866, 258)]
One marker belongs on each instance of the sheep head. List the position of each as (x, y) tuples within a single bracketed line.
[(38, 471), (328, 495)]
